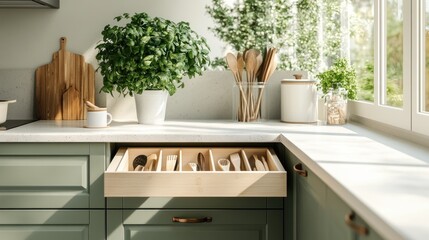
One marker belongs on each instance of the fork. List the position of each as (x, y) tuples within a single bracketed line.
[(171, 162), (194, 166)]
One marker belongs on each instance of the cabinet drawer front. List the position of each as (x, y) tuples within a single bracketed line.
[(224, 224), (195, 232), (44, 224), (219, 217), (122, 181), (195, 202), (158, 224), (44, 181), (63, 173)]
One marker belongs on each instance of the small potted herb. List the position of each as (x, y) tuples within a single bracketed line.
[(147, 58), (338, 84)]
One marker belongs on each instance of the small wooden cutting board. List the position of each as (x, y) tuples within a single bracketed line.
[(62, 86)]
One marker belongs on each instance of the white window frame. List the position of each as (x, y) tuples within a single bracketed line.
[(377, 111), (420, 118)]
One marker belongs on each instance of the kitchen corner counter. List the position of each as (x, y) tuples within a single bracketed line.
[(388, 188)]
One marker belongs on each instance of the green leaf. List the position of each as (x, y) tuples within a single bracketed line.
[(149, 53)]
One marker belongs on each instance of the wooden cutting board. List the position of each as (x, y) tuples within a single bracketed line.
[(63, 85)]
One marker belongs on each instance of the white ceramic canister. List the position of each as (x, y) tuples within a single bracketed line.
[(298, 101)]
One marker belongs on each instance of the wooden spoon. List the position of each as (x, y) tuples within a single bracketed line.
[(259, 165), (224, 164), (251, 64), (201, 161), (231, 60), (272, 66), (259, 61), (236, 160), (90, 105), (240, 66), (265, 163)]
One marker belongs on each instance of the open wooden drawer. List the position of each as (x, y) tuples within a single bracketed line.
[(120, 179)]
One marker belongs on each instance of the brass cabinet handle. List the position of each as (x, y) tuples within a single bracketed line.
[(298, 169), (192, 220), (360, 230)]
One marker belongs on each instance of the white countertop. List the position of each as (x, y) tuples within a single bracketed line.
[(388, 188)]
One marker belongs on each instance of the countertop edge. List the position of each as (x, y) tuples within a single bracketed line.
[(375, 221)]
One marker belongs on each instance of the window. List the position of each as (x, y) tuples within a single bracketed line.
[(425, 80), (392, 92), (401, 69), (420, 91), (361, 17)]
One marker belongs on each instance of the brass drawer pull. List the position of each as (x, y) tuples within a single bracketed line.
[(360, 230), (192, 220), (298, 169)]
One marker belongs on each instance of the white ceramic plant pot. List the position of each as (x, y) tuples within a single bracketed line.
[(150, 106)]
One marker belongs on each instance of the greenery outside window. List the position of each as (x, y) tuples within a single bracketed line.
[(385, 40)]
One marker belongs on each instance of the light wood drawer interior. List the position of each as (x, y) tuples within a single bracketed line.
[(163, 180)]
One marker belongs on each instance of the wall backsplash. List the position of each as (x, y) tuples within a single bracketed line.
[(18, 84), (205, 97), (30, 36)]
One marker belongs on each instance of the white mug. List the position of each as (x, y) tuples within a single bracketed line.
[(98, 118)]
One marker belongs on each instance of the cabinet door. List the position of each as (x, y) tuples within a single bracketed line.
[(51, 224), (338, 211), (51, 175), (309, 202), (215, 224)]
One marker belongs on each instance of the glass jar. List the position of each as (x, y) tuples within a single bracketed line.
[(336, 107), (249, 102)]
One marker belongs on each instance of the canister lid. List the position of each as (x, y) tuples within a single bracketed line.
[(298, 81)]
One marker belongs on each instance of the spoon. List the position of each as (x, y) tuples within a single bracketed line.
[(236, 160), (90, 105), (201, 161), (233, 66), (251, 64), (240, 66), (259, 165), (151, 160), (265, 163), (259, 61), (224, 164), (139, 160)]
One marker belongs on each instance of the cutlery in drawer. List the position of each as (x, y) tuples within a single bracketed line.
[(171, 162), (141, 161), (236, 161), (194, 166), (151, 162), (201, 161)]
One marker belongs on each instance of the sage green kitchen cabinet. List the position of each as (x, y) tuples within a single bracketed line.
[(52, 191), (338, 211), (201, 224), (311, 214), (52, 224), (319, 213), (52, 175)]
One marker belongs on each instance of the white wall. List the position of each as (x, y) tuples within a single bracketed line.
[(28, 37)]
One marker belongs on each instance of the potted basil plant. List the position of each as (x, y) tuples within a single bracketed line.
[(147, 58), (338, 84)]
